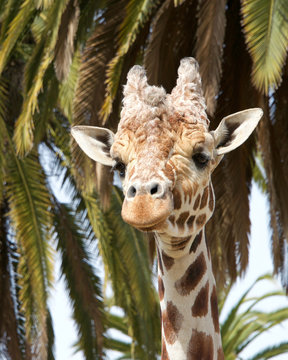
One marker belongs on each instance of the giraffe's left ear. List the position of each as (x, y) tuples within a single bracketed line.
[(95, 142), (234, 129)]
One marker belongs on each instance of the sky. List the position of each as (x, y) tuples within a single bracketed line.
[(259, 263)]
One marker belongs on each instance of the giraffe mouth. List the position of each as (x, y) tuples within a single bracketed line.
[(151, 227), (146, 213)]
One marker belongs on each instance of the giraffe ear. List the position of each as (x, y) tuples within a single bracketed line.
[(235, 129), (95, 142)]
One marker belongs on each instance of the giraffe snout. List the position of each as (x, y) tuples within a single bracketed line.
[(147, 205)]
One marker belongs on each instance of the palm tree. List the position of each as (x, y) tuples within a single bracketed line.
[(64, 62)]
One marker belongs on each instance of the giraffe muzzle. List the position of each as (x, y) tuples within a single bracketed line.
[(145, 211)]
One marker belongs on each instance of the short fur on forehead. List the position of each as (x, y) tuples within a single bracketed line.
[(143, 102)]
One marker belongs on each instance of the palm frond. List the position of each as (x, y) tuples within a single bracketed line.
[(133, 289), (64, 47), (170, 26), (138, 13), (9, 318), (15, 28), (68, 88), (81, 281), (29, 203), (266, 29), (232, 194), (209, 47), (244, 323), (271, 352), (34, 74), (275, 162)]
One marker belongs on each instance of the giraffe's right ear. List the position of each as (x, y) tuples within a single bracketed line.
[(95, 142)]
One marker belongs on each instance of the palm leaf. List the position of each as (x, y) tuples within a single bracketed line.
[(271, 352), (170, 26), (242, 327), (274, 161), (15, 29), (68, 88), (81, 281), (64, 47), (232, 178), (133, 290), (266, 29), (29, 204), (34, 74), (209, 47), (10, 332), (138, 13)]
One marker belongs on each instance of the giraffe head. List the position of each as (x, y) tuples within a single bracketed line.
[(164, 152)]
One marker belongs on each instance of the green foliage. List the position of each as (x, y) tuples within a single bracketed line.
[(245, 323), (266, 30)]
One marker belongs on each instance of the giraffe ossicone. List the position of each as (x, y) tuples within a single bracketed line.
[(165, 154)]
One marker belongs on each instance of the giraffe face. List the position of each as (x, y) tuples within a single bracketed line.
[(165, 166), (165, 153)]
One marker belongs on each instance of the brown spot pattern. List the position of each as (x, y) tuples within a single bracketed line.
[(200, 306), (204, 198), (182, 219), (196, 203), (211, 198), (190, 221), (172, 321), (192, 276), (161, 288), (201, 219), (220, 354), (168, 261), (200, 346), (196, 242), (172, 219), (164, 353), (214, 309), (177, 199)]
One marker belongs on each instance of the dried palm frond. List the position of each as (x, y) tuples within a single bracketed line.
[(209, 47), (232, 179), (170, 26), (64, 47), (273, 147)]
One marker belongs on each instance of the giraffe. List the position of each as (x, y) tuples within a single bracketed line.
[(165, 154)]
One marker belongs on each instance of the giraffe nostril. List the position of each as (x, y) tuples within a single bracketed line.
[(154, 189), (131, 193)]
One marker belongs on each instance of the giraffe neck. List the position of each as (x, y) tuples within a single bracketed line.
[(188, 300)]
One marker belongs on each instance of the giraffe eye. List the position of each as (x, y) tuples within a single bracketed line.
[(120, 167), (201, 160)]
